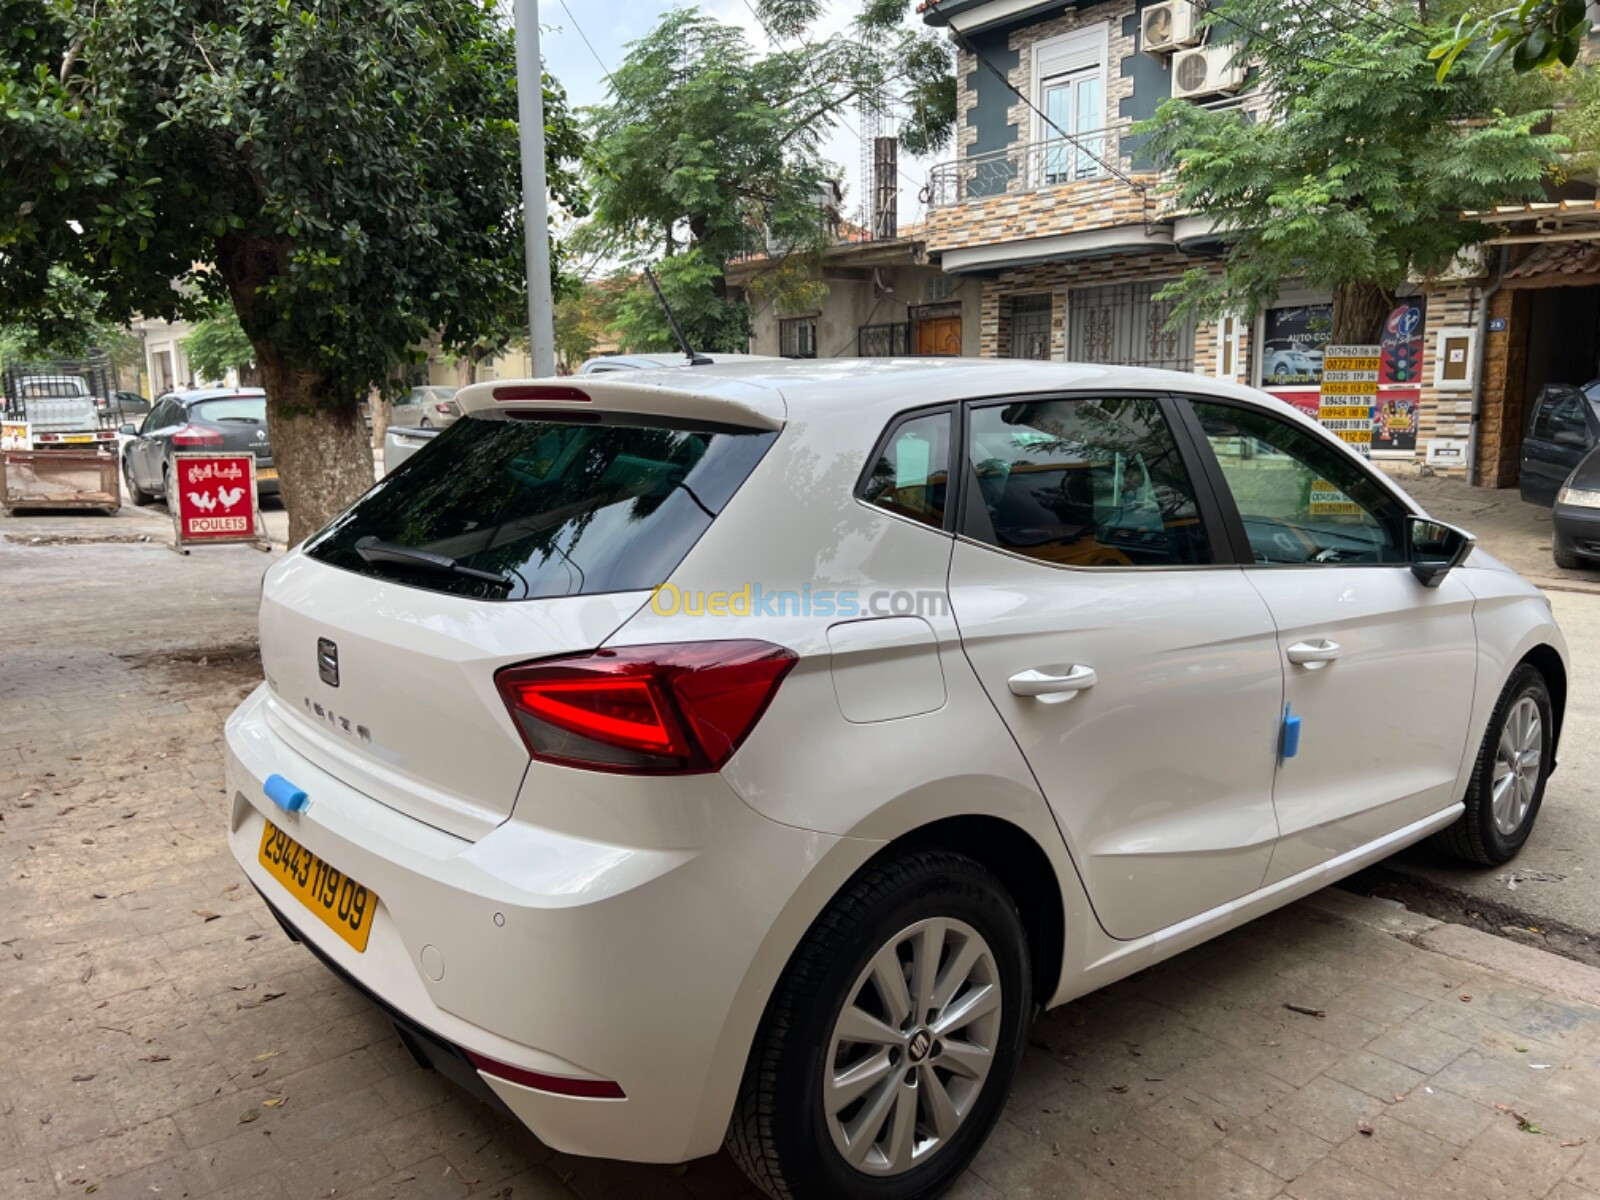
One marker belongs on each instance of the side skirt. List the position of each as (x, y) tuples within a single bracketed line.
[(1110, 960)]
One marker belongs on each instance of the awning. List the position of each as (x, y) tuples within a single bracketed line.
[(1093, 243), (1557, 264)]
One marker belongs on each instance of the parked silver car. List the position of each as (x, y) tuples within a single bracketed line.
[(427, 407)]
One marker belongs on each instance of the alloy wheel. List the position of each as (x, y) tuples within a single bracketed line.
[(912, 1047), (1518, 761)]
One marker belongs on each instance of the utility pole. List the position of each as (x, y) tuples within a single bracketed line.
[(535, 210)]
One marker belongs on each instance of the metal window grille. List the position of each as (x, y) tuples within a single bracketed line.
[(797, 337), (889, 340), (1126, 325), (1030, 325)]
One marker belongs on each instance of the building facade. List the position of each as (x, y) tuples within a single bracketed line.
[(1051, 211)]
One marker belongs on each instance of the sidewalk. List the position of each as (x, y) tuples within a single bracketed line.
[(162, 1037)]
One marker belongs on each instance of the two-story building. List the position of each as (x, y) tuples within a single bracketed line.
[(1050, 207)]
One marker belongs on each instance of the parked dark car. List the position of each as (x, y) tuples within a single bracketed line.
[(128, 406), (212, 419), (1575, 520), (1563, 427)]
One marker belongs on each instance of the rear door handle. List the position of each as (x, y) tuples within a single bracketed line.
[(1053, 682), (1313, 655)]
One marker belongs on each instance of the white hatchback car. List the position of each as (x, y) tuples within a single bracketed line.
[(748, 752)]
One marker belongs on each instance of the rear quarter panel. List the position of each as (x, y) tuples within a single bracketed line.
[(1512, 618)]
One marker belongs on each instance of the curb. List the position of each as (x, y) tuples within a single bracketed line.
[(1527, 964)]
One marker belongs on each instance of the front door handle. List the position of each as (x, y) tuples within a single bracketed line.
[(1052, 682), (1314, 655)]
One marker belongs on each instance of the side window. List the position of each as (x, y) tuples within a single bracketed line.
[(1567, 425), (1302, 500), (1086, 483), (912, 473)]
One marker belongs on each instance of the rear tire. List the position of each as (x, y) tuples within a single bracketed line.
[(1509, 777), (137, 496), (939, 1075)]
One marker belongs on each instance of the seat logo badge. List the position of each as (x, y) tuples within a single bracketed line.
[(328, 661), (918, 1049)]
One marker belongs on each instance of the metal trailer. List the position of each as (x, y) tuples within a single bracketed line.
[(60, 479)]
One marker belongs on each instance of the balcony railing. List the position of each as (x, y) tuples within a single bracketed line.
[(1027, 167)]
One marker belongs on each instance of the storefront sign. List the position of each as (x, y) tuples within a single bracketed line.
[(15, 435), (1394, 421), (1349, 393), (216, 499)]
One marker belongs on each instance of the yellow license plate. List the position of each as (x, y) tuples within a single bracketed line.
[(77, 439), (338, 901), (266, 473)]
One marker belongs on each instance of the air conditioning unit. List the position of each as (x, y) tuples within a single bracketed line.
[(1206, 71), (1168, 26)]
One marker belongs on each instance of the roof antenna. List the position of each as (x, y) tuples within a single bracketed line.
[(695, 360)]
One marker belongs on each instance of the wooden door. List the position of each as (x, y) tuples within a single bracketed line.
[(939, 335)]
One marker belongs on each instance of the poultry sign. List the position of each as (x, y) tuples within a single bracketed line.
[(215, 498)]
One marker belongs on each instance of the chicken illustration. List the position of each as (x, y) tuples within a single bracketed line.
[(230, 496), (203, 501)]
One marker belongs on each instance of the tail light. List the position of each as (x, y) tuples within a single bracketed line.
[(446, 407), (195, 435), (677, 709)]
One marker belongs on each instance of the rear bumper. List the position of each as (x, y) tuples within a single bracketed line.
[(566, 957), (1576, 530)]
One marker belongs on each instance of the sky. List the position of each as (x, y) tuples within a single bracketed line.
[(612, 24)]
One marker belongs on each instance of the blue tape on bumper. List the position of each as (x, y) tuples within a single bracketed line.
[(284, 794)]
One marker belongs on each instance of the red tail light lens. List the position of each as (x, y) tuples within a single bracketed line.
[(674, 709), (194, 435), (540, 391)]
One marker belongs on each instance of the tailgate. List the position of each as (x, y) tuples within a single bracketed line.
[(406, 710)]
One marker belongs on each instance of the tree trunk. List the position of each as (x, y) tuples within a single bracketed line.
[(378, 405), (1359, 311), (323, 455)]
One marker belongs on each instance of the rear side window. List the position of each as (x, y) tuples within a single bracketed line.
[(561, 507), (911, 474), (1085, 483)]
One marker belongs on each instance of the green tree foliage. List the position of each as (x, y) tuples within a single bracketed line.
[(68, 321), (348, 167), (218, 344), (1533, 33), (915, 66), (1356, 178), (706, 151)]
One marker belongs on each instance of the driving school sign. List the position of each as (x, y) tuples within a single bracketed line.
[(215, 499), (1349, 394)]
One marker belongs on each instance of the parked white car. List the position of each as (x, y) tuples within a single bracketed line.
[(746, 752)]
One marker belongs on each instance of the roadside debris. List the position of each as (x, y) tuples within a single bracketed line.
[(1307, 1011)]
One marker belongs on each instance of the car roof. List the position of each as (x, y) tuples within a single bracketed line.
[(766, 392), (194, 395)]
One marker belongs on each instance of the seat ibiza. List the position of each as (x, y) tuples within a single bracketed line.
[(744, 754)]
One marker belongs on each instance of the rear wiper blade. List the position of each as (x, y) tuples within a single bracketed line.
[(374, 551)]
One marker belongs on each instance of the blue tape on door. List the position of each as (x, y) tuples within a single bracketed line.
[(284, 794), (1291, 733)]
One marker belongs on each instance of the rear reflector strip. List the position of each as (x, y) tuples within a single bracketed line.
[(539, 391), (559, 1085)]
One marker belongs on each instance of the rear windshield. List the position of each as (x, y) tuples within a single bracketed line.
[(567, 507), (234, 408)]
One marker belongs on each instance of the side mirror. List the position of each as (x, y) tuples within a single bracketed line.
[(1434, 549), (130, 429)]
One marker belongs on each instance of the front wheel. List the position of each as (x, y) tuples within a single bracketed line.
[(137, 496), (1566, 559), (888, 1048), (1509, 777)]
